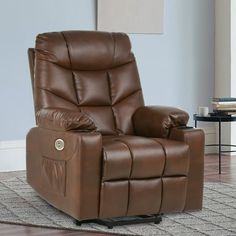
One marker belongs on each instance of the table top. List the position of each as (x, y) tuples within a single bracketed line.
[(214, 118)]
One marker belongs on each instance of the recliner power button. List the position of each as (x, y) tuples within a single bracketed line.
[(59, 144)]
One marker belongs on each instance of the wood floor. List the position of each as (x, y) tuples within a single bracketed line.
[(211, 175), (228, 169)]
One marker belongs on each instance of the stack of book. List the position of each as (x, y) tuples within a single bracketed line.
[(226, 106)]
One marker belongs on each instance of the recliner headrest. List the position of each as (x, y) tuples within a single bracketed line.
[(84, 50)]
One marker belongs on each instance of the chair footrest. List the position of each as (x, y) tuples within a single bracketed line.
[(119, 221)]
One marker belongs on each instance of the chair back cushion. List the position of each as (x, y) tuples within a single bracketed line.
[(88, 71)]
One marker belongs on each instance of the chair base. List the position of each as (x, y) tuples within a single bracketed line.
[(110, 223)]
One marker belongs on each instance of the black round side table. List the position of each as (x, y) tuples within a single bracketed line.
[(219, 119)]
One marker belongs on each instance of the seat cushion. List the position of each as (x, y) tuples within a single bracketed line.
[(134, 157), (176, 157)]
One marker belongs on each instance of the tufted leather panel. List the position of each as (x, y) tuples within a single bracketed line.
[(103, 118), (145, 196), (117, 162), (142, 170), (141, 158), (97, 88), (124, 81), (173, 194), (114, 199), (137, 157), (177, 157), (92, 72)]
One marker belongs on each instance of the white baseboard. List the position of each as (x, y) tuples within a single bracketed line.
[(12, 155)]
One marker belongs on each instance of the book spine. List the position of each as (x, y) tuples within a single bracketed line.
[(224, 103), (224, 99), (224, 110), (229, 107)]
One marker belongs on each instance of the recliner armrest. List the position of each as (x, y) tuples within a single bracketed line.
[(63, 120), (69, 178), (157, 121)]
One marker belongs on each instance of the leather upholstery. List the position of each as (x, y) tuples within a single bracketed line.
[(31, 56), (80, 168), (195, 140), (63, 119), (120, 158), (138, 157), (145, 155), (143, 167), (92, 72), (169, 117)]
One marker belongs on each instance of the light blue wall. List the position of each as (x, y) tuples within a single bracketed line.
[(176, 68)]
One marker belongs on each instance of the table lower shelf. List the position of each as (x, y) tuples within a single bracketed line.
[(222, 145)]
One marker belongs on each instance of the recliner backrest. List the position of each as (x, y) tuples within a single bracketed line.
[(93, 72)]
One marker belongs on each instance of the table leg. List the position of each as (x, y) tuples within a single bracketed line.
[(220, 147), (195, 123)]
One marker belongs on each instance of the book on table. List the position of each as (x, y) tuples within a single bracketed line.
[(224, 106), (224, 99), (224, 112)]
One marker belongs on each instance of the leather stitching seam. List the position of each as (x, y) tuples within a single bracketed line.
[(131, 170), (49, 91), (162, 184), (72, 73), (124, 98)]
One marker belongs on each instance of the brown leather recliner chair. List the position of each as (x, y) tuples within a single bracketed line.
[(97, 152)]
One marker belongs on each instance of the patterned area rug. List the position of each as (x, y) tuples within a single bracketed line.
[(19, 204)]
